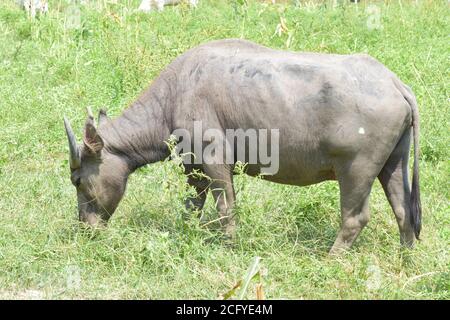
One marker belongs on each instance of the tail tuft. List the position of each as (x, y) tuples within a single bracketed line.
[(416, 207)]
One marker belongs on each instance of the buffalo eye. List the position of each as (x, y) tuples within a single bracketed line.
[(76, 181)]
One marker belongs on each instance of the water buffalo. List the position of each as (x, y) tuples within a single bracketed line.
[(340, 117)]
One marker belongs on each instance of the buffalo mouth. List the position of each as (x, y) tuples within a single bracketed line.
[(93, 214)]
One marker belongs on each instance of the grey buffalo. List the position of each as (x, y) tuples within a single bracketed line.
[(340, 117)]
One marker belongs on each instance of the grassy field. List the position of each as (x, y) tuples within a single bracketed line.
[(52, 66)]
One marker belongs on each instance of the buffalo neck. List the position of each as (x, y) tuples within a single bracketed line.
[(139, 134)]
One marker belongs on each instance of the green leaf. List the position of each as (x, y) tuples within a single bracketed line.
[(252, 271)]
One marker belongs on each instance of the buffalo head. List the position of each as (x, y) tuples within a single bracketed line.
[(98, 175)]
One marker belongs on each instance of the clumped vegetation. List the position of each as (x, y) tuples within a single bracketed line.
[(50, 66)]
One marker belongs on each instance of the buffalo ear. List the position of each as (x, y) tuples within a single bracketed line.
[(92, 140)]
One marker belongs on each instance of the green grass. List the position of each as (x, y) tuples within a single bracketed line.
[(148, 251)]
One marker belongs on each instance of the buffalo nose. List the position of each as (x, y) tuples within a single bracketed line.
[(90, 218)]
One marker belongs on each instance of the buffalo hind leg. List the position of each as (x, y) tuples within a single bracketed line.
[(394, 179), (355, 186)]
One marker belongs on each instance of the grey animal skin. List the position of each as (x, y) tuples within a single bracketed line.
[(341, 117)]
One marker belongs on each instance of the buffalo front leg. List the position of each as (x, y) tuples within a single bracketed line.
[(354, 195), (201, 186), (221, 186)]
